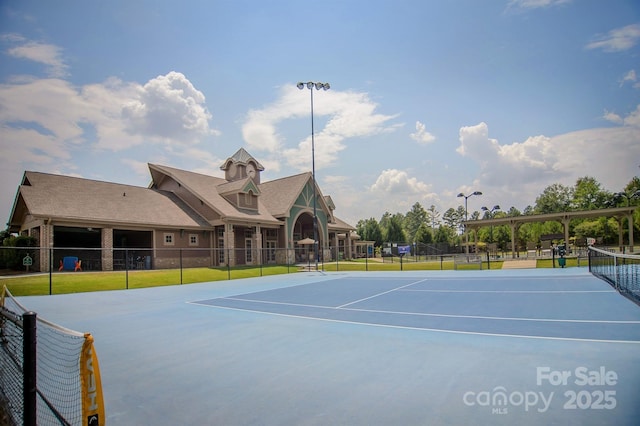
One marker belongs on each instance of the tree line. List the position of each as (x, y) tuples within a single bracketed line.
[(430, 226)]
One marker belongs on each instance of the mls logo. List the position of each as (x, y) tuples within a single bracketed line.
[(93, 420)]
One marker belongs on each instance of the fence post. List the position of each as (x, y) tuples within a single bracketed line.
[(126, 267), (180, 266), (29, 389), (50, 270)]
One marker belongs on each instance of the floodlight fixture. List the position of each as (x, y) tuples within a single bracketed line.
[(466, 197)]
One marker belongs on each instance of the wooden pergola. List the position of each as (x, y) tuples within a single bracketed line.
[(564, 218)]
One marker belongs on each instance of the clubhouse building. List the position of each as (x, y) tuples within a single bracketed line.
[(181, 218)]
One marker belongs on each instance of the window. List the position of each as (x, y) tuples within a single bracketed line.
[(220, 232), (193, 239), (271, 251), (221, 251), (272, 234), (247, 250), (168, 239)]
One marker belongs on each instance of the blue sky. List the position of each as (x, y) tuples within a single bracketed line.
[(427, 99)]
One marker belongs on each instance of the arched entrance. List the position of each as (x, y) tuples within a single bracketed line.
[(303, 238)]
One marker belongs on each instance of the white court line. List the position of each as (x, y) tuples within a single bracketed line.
[(517, 291), (268, 302), (497, 318), (437, 330), (423, 314), (380, 294)]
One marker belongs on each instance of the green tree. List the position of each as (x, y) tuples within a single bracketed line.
[(451, 218), (630, 196), (554, 199), (384, 220), (444, 234), (433, 217), (589, 195), (370, 230), (395, 232), (513, 212), (414, 219), (423, 235)]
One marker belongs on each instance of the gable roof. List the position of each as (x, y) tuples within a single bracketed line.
[(340, 225), (206, 188), (279, 195), (243, 186), (64, 197)]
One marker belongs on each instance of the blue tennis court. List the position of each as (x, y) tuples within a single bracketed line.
[(559, 307), (529, 347)]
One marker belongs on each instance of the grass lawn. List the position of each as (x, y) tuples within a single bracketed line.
[(78, 282), (570, 262), (407, 265)]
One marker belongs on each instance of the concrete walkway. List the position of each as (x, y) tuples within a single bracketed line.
[(519, 264)]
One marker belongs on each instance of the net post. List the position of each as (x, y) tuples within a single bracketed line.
[(29, 389), (617, 272)]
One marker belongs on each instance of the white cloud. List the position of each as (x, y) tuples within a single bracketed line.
[(350, 115), (618, 39), (49, 106), (395, 181), (535, 4), (630, 76), (474, 141), (168, 107), (46, 54), (612, 117), (167, 110), (518, 171), (140, 168), (633, 118), (421, 135)]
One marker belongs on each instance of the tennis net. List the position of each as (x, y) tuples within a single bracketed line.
[(622, 271), (67, 383)]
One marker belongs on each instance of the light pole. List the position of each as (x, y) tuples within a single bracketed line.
[(466, 197), (619, 195), (325, 86), (489, 212)]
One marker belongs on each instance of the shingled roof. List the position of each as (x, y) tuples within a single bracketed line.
[(64, 197), (206, 188), (72, 199)]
